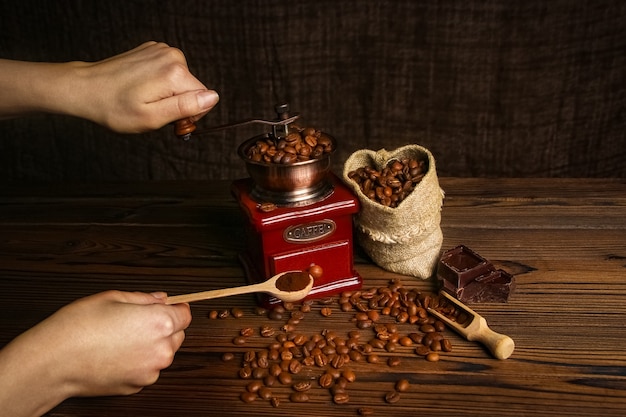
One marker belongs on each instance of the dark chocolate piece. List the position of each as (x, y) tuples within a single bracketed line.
[(471, 278), (461, 265), (495, 287)]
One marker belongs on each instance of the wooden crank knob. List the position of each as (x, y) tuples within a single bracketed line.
[(183, 128)]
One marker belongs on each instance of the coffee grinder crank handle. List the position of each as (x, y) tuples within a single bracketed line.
[(185, 127)]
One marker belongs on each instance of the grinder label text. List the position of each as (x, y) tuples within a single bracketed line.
[(309, 232)]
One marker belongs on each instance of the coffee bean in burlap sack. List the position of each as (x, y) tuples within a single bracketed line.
[(406, 239)]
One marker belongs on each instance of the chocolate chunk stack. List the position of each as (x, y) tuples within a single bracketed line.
[(472, 279)]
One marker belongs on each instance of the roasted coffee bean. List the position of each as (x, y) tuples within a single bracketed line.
[(285, 378), (237, 313), (348, 375), (422, 350), (265, 393), (254, 386), (377, 343), (246, 331), (301, 386), (391, 346), (337, 361), (228, 356), (239, 340), (365, 411), (405, 341), (326, 311), (269, 380), (393, 361), (263, 362), (432, 357), (259, 373), (341, 398), (248, 397), (299, 397), (267, 331), (326, 380), (402, 385), (249, 356), (341, 382), (213, 314), (427, 328), (392, 397), (245, 372), (275, 314), (321, 360), (373, 358), (275, 401), (295, 366)]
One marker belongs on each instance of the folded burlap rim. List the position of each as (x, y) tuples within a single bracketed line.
[(421, 208)]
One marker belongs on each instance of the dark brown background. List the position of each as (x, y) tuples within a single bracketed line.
[(493, 88)]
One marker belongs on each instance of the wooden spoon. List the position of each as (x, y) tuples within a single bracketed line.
[(501, 346), (292, 287)]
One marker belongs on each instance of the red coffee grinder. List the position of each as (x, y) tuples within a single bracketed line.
[(297, 214)]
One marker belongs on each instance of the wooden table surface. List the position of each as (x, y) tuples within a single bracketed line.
[(563, 239)]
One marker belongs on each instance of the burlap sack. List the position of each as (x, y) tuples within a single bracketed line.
[(406, 239)]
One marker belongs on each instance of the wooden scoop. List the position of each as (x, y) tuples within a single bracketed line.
[(476, 329), (287, 286)]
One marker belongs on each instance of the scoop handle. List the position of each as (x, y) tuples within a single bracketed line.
[(207, 295), (500, 345)]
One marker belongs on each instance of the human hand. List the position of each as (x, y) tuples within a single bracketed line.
[(139, 90), (115, 343), (111, 343)]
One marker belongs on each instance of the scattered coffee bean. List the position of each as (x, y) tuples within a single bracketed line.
[(402, 385), (239, 340), (299, 397), (254, 386), (392, 397), (301, 386), (248, 397), (246, 332), (265, 393), (326, 380), (341, 398), (384, 313), (393, 361)]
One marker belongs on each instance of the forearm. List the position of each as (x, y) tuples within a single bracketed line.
[(30, 384), (31, 87)]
